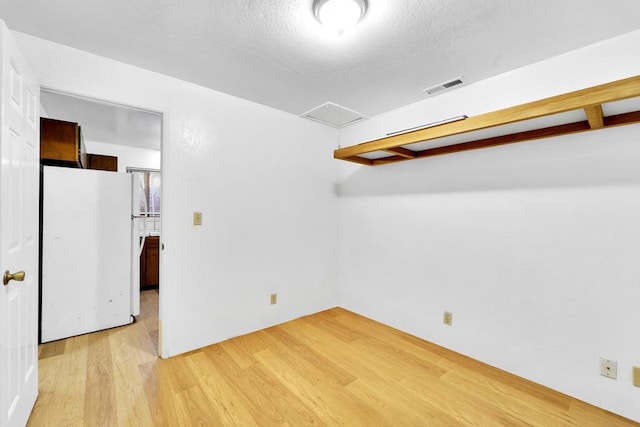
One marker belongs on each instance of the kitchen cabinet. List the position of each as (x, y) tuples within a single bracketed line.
[(149, 263), (102, 162), (61, 144)]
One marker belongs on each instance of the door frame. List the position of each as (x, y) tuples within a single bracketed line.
[(165, 131)]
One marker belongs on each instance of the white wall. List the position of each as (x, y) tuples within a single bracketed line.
[(135, 157), (261, 177), (534, 247)]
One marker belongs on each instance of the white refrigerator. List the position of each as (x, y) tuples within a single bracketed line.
[(87, 244)]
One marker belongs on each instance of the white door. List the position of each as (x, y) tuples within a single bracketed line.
[(19, 213)]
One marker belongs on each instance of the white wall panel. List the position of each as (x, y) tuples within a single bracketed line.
[(533, 247)]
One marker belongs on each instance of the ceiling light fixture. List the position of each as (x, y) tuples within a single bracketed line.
[(339, 15)]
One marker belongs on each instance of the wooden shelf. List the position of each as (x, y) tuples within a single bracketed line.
[(590, 100)]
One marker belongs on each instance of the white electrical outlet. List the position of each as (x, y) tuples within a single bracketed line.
[(608, 368)]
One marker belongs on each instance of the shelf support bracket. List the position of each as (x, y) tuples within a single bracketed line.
[(595, 116), (402, 152)]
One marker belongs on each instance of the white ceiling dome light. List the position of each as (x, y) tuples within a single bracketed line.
[(339, 16)]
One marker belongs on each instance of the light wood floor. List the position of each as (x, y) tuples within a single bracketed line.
[(331, 368)]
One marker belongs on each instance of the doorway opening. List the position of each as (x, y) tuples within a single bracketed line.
[(124, 140)]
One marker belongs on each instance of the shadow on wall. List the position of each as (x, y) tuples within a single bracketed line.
[(607, 157)]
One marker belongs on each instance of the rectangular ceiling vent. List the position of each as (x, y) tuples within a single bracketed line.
[(444, 85), (333, 115)]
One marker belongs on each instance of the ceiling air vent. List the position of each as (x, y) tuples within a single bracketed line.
[(443, 86), (333, 115)]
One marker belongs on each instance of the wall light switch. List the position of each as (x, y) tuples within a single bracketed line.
[(197, 218)]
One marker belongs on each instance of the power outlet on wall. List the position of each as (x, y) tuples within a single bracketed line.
[(447, 318), (274, 299), (608, 368)]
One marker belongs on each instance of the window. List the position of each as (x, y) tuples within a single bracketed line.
[(150, 196)]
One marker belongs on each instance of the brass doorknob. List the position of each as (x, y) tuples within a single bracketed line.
[(18, 276)]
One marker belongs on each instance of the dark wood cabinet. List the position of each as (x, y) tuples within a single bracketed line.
[(61, 143), (150, 263), (102, 162)]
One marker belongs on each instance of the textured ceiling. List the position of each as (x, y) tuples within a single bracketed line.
[(275, 53)]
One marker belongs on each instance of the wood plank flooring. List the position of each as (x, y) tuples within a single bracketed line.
[(330, 368)]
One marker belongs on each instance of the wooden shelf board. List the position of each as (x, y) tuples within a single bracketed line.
[(590, 100)]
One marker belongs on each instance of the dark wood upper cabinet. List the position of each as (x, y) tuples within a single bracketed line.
[(61, 143), (102, 162)]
